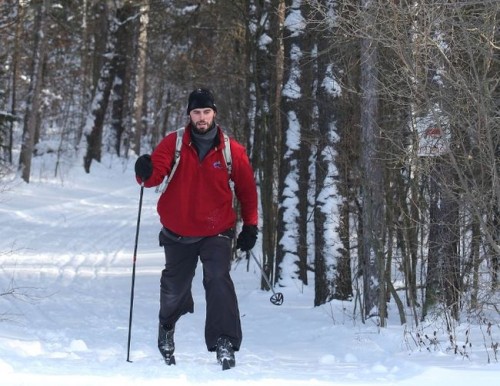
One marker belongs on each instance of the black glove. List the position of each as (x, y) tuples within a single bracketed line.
[(247, 237), (144, 167)]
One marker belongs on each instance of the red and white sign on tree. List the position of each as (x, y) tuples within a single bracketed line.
[(433, 142)]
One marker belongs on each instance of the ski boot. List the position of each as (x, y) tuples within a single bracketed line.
[(225, 353), (166, 343)]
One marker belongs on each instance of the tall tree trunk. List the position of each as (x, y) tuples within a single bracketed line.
[(432, 289), (443, 265), (15, 67), (86, 65), (264, 79), (273, 137), (35, 87), (452, 280), (122, 70), (373, 208), (332, 271), (475, 262), (94, 128), (288, 225), (305, 106), (347, 147), (140, 80), (410, 231), (495, 259)]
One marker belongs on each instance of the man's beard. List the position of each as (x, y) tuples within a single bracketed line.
[(210, 126)]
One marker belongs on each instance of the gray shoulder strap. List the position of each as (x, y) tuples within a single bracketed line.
[(177, 156), (227, 154)]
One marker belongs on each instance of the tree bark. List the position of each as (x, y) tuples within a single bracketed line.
[(288, 223), (264, 78), (330, 274), (35, 87), (373, 213), (126, 38), (140, 80), (94, 128)]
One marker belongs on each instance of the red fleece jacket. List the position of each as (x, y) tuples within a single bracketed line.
[(198, 200)]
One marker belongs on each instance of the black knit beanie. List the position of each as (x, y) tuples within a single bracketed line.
[(201, 98)]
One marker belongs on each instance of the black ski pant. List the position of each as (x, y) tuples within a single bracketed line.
[(176, 299)]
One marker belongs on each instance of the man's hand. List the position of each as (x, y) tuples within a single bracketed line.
[(247, 237), (144, 167)]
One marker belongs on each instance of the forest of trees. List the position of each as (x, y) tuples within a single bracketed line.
[(373, 126)]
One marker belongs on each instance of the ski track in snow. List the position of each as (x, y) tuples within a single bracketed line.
[(67, 251), (72, 257)]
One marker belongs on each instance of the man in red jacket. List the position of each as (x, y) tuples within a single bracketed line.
[(198, 218)]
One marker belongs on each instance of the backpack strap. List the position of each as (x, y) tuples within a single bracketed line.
[(226, 151), (177, 156)]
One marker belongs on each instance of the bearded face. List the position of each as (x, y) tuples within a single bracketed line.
[(202, 119)]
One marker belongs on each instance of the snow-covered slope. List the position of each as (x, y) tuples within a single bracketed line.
[(66, 252)]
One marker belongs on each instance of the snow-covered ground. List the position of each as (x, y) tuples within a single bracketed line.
[(66, 251)]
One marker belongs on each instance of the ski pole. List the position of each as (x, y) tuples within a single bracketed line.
[(133, 273), (277, 297)]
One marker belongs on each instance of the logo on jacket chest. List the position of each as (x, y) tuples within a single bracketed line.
[(217, 165)]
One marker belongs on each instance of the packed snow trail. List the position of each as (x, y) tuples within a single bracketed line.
[(66, 257)]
